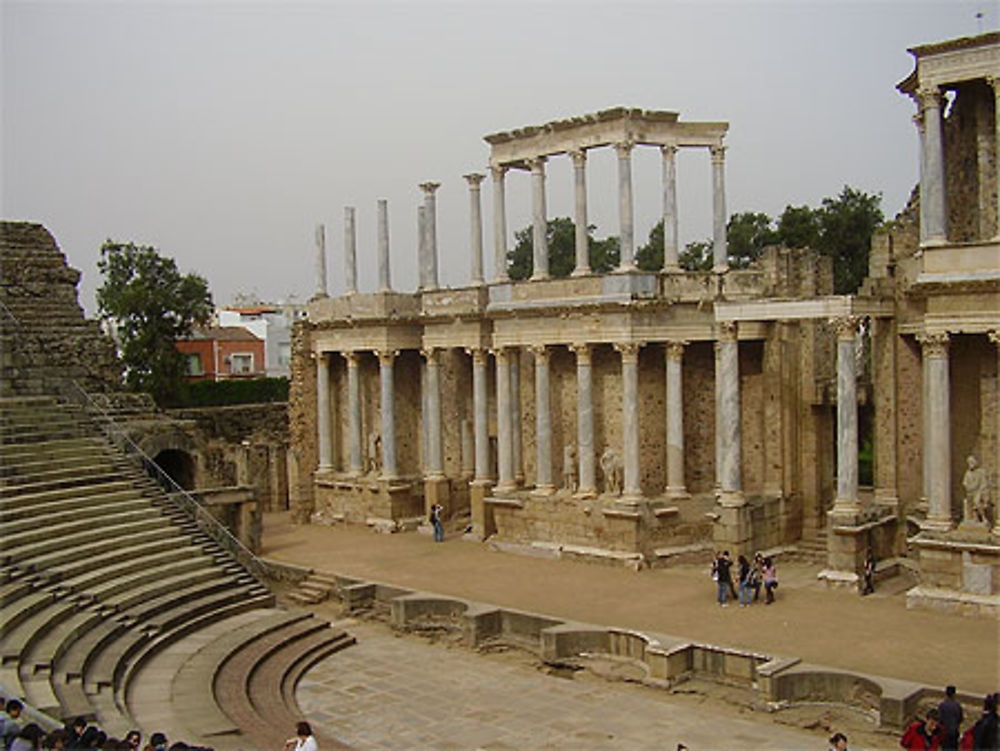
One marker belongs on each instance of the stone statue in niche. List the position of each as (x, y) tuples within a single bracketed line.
[(374, 452), (569, 467), (976, 487), (611, 468)]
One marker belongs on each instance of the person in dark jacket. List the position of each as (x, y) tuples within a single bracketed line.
[(986, 731), (924, 735), (951, 719)]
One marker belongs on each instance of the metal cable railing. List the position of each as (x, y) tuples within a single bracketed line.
[(119, 437)]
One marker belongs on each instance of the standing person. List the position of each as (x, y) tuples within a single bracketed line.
[(744, 574), (724, 580), (757, 575), (29, 739), (770, 574), (986, 731), (868, 584), (925, 735), (11, 723), (134, 739), (74, 733), (838, 742), (435, 517), (951, 719), (303, 739)]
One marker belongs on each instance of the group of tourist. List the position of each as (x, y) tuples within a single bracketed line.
[(941, 727), (750, 576)]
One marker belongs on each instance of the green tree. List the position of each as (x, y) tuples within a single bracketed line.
[(696, 256), (649, 257), (798, 227), (561, 238), (747, 234), (151, 305), (847, 223)]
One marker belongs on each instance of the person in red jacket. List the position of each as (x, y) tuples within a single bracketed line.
[(924, 736)]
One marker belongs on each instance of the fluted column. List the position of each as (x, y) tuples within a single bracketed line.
[(994, 82), (354, 413), (321, 289), (430, 231), (386, 361), (350, 251), (846, 501), (626, 230), (539, 234), (585, 420), (676, 487), (505, 426), (670, 250), (384, 274), (727, 421), (631, 489), (937, 433), (435, 455), (720, 251), (474, 179), (995, 338), (543, 422), (580, 212), (480, 410), (499, 225), (323, 419), (514, 355), (932, 178)]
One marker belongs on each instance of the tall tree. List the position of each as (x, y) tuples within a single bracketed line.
[(696, 256), (151, 305), (847, 223), (798, 227), (561, 238), (747, 234)]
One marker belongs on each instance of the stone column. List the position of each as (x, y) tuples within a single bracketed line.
[(499, 225), (324, 425), (422, 248), (670, 250), (474, 179), (585, 421), (625, 214), (918, 120), (514, 355), (539, 234), (720, 252), (505, 424), (354, 412), (995, 338), (386, 361), (937, 433), (580, 212), (932, 190), (321, 289), (727, 420), (350, 251), (480, 410), (435, 456), (675, 420), (468, 450), (631, 489), (384, 274), (995, 83), (543, 422), (430, 233), (846, 502)]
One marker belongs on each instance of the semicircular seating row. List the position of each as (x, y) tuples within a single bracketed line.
[(116, 607)]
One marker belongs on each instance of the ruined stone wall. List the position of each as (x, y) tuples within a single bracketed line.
[(698, 376), (909, 421), (973, 373), (652, 420), (970, 163)]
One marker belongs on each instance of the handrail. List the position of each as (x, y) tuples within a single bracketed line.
[(177, 495)]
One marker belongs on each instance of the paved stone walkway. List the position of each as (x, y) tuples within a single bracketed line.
[(393, 692)]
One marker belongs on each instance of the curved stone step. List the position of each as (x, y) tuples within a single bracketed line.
[(76, 514), (99, 546), (90, 476), (83, 543), (75, 528), (79, 493)]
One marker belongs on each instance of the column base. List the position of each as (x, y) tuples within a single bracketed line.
[(584, 494), (936, 524), (678, 493), (544, 490), (934, 242), (582, 272), (502, 489), (720, 269), (731, 498), (538, 277), (844, 507), (625, 268)]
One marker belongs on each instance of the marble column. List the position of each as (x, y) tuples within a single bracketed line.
[(321, 289), (474, 179), (938, 431), (356, 466), (626, 222), (386, 361), (384, 274), (585, 421), (631, 488), (324, 424), (994, 82), (670, 251), (499, 225), (539, 234), (720, 251), (480, 408), (435, 455), (505, 423), (430, 233), (932, 186), (846, 501), (995, 338), (580, 212), (350, 251), (514, 355), (543, 422), (422, 248), (918, 120), (676, 487), (727, 420)]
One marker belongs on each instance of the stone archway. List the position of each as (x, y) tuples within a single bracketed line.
[(179, 465)]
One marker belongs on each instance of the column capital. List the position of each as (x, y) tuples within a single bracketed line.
[(386, 356), (478, 354), (430, 354), (498, 171), (537, 164), (929, 97), (846, 327), (675, 349), (583, 352), (934, 345), (502, 354), (629, 350), (353, 357), (718, 153), (624, 148), (669, 150), (429, 187), (539, 351), (474, 179), (728, 331), (579, 157), (994, 336)]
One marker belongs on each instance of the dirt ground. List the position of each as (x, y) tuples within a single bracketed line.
[(875, 634)]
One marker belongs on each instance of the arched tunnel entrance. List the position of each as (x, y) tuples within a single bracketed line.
[(179, 465)]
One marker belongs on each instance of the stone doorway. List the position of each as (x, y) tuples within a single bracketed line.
[(179, 465)]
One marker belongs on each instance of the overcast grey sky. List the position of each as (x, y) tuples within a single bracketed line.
[(223, 132)]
